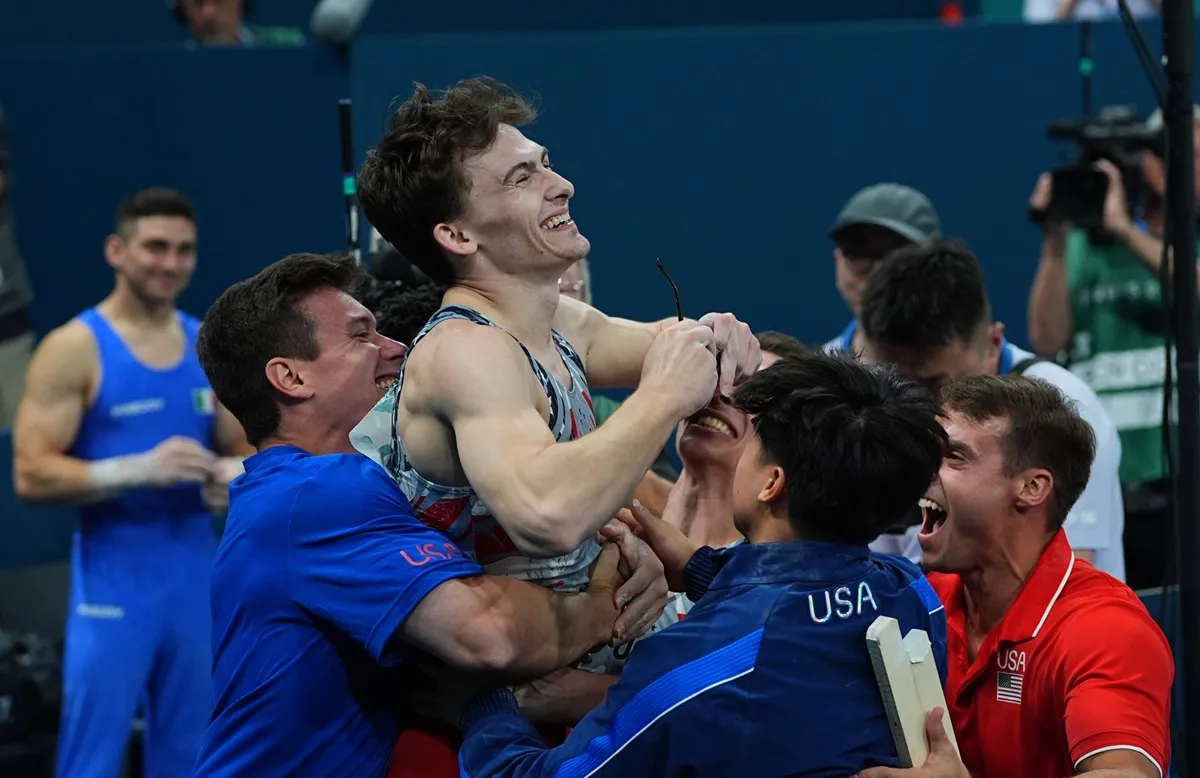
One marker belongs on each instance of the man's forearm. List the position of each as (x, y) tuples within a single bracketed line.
[(575, 488), (564, 697), (1149, 250), (1050, 320), (558, 636), (58, 479), (1145, 246), (525, 631)]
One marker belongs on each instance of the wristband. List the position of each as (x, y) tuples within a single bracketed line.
[(485, 703), (116, 473)]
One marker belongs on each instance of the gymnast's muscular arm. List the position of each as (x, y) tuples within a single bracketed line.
[(612, 348), (59, 386), (548, 496), (615, 349)]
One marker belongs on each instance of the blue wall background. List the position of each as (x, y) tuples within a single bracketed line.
[(75, 22), (727, 152)]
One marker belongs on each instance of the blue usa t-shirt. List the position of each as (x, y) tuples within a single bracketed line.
[(321, 562)]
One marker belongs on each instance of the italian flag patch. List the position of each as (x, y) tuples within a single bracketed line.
[(204, 402)]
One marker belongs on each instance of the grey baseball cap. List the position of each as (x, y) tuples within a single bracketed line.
[(899, 208)]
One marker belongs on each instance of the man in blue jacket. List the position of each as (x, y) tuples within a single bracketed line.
[(769, 674)]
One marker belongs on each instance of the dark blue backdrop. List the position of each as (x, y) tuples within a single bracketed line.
[(726, 152), (85, 22), (251, 136)]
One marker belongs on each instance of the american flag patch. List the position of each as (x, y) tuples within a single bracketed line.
[(1008, 687)]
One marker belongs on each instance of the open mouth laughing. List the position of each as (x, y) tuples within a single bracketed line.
[(711, 422), (558, 222), (933, 516)]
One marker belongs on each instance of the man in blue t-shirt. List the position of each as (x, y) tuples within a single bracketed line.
[(325, 583)]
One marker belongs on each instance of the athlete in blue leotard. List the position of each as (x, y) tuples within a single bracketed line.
[(118, 418)]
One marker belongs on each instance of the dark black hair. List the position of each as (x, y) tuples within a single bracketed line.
[(857, 443), (261, 318), (155, 201), (782, 345), (925, 297), (401, 310)]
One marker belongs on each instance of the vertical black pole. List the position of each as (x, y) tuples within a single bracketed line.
[(349, 192), (1179, 120), (1086, 65)]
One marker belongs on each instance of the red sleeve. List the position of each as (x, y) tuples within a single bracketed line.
[(1117, 669)]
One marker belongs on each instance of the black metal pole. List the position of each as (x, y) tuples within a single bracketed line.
[(1179, 121), (349, 190), (1086, 65)]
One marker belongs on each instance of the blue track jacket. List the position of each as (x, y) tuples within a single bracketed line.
[(768, 676)]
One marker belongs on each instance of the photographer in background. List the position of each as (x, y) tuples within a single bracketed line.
[(1097, 300)]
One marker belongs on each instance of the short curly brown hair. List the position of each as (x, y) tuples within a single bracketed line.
[(414, 178)]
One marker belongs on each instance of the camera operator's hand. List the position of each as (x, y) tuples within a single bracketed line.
[(1116, 209), (1040, 199), (1039, 203)]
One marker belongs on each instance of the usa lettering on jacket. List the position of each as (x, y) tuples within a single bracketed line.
[(842, 601)]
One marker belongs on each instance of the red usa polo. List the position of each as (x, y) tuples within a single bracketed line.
[(1075, 668)]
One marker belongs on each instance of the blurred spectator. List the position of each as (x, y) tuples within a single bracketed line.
[(223, 23), (16, 335), (119, 418), (875, 222), (1037, 11), (1097, 299), (926, 312), (401, 311)]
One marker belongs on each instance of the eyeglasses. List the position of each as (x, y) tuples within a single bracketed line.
[(674, 289)]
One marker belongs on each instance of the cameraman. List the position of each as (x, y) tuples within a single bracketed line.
[(1097, 300)]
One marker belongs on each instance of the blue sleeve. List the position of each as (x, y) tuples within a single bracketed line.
[(644, 727), (358, 559), (937, 622)]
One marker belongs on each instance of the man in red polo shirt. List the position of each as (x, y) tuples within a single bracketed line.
[(1055, 668)]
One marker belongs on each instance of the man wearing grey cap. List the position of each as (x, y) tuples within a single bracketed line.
[(875, 222)]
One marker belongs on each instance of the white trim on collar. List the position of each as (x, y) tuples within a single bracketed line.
[(1054, 599)]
